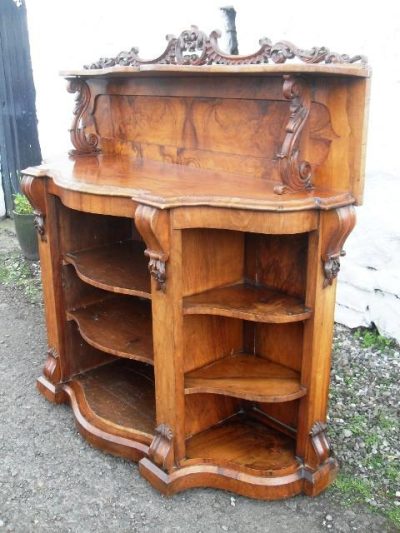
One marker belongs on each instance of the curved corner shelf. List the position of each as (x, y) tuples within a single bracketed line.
[(248, 302), (119, 326), (114, 406), (248, 377), (120, 267)]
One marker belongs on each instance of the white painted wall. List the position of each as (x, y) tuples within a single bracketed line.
[(66, 34)]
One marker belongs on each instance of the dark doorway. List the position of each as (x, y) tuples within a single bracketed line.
[(19, 143)]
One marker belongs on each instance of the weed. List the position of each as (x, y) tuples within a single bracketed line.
[(16, 271), (371, 338)]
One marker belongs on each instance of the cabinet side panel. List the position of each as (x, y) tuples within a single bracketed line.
[(338, 137), (205, 410), (278, 262), (211, 258), (209, 338), (86, 230)]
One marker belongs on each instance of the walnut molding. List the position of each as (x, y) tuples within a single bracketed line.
[(195, 47)]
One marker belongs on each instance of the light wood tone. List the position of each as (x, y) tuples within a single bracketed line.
[(245, 220), (240, 180), (120, 267), (247, 302), (119, 326), (145, 182), (248, 377)]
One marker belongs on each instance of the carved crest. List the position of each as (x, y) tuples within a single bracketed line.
[(84, 144), (194, 47), (295, 174)]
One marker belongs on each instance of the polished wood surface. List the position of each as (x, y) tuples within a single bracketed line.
[(248, 302), (246, 376), (119, 267), (118, 326), (165, 185), (245, 442), (190, 245)]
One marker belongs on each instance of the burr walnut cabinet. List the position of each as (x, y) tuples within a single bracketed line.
[(189, 246)]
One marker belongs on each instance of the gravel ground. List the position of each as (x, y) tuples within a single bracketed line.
[(50, 478)]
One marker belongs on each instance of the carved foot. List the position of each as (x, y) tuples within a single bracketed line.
[(161, 450), (49, 384)]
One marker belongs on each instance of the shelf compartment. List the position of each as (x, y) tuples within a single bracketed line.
[(248, 302), (120, 267), (244, 442), (248, 377), (120, 326)]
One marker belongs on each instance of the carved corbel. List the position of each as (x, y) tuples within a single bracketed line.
[(153, 225), (320, 442), (84, 144), (161, 450), (33, 188), (295, 174), (337, 226)]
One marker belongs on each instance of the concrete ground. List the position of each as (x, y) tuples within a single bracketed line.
[(52, 480)]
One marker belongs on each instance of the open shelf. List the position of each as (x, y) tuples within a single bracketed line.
[(247, 302), (240, 440), (119, 267), (120, 326), (118, 398), (246, 376)]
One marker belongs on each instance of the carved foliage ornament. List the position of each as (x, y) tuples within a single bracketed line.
[(194, 47), (83, 143), (295, 174)]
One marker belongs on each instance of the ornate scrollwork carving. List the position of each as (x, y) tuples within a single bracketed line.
[(339, 226), (320, 441), (194, 47), (161, 450), (295, 174), (84, 144)]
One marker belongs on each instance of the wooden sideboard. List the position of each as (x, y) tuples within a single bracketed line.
[(189, 246)]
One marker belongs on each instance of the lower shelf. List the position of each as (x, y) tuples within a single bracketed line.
[(114, 406), (245, 442)]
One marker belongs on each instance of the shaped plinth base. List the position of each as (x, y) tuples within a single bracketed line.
[(257, 486)]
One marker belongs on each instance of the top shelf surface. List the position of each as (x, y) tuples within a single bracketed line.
[(333, 69), (165, 185)]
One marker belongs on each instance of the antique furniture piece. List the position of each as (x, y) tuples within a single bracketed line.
[(189, 246)]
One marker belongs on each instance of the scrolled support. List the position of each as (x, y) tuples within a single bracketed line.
[(338, 226), (153, 225), (295, 174), (33, 188), (84, 144)]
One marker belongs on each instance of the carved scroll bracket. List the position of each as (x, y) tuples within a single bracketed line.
[(320, 442), (33, 188), (153, 225), (337, 226), (161, 450), (84, 144), (295, 174)]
